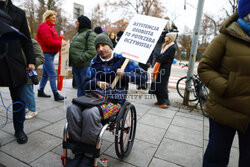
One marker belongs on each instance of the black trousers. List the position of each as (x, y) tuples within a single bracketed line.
[(219, 145), (18, 117), (161, 86)]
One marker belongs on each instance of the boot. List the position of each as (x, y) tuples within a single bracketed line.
[(42, 94), (58, 97)]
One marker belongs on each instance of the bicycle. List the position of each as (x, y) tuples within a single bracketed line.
[(197, 90)]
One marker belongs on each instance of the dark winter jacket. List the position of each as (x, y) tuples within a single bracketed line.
[(166, 58), (81, 51), (12, 67), (157, 50), (224, 69), (106, 71), (48, 38)]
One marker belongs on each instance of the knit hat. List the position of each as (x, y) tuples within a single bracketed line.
[(103, 38), (98, 29), (84, 22), (171, 35), (120, 33), (243, 8)]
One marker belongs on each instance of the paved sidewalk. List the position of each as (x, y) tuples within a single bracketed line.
[(170, 137)]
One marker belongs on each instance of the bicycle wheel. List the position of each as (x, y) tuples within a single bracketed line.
[(180, 86), (203, 96)]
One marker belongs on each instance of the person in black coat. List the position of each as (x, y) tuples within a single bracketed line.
[(13, 68), (162, 70)]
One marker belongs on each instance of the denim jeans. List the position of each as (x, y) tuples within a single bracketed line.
[(80, 75), (219, 146), (28, 97), (49, 72)]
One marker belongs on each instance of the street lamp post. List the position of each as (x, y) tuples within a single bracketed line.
[(194, 46)]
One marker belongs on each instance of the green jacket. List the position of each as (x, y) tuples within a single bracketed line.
[(38, 55), (80, 53), (225, 70)]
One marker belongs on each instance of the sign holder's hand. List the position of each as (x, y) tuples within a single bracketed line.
[(103, 85), (120, 70)]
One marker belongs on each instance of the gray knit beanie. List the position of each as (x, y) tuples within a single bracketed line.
[(103, 38)]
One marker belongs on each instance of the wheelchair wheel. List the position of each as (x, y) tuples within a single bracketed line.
[(125, 130)]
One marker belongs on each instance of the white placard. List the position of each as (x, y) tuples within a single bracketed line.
[(140, 37), (65, 58)]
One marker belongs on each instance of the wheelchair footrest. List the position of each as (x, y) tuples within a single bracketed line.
[(78, 147), (103, 163)]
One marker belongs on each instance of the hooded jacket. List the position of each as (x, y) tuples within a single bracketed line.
[(224, 69)]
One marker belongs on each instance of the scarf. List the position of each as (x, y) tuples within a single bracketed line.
[(243, 24), (166, 47)]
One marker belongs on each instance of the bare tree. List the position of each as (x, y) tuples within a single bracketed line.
[(233, 7), (98, 17), (145, 7), (30, 9), (40, 11), (185, 38), (208, 30)]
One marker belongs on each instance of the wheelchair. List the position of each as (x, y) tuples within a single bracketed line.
[(122, 125)]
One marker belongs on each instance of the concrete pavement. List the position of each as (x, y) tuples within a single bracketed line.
[(170, 137)]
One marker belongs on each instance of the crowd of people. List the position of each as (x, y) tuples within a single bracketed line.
[(223, 69)]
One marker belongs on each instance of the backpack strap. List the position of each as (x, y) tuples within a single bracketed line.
[(86, 37)]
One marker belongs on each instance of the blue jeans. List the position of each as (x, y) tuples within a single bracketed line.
[(28, 97), (219, 146), (49, 72), (80, 75)]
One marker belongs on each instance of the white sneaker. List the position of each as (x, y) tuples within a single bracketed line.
[(31, 114), (26, 110)]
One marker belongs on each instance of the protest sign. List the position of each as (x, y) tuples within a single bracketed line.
[(64, 58), (140, 37)]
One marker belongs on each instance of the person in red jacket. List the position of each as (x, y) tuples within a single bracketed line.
[(50, 44)]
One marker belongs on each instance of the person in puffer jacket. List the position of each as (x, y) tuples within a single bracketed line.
[(81, 51), (224, 69), (50, 44), (84, 125)]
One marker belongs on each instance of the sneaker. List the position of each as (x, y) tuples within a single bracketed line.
[(164, 106), (31, 114), (156, 103), (26, 110)]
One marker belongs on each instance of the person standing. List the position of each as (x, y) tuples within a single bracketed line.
[(224, 69), (27, 92), (157, 49), (50, 44), (113, 38), (162, 70), (13, 68), (98, 30), (81, 51)]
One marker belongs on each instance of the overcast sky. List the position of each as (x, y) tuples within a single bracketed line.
[(175, 10)]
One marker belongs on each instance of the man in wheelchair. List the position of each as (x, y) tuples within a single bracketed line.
[(85, 124)]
